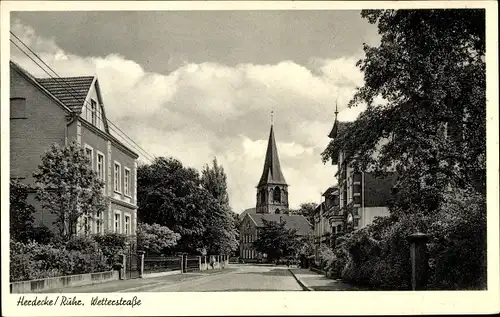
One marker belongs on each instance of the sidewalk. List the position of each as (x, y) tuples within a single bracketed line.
[(312, 281), (137, 284)]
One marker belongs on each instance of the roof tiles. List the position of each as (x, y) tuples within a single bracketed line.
[(71, 91)]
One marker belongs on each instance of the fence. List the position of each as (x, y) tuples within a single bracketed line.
[(156, 264)]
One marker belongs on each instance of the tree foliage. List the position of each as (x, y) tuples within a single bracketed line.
[(155, 239), (222, 234), (429, 70), (276, 240), (67, 187), (21, 213), (306, 210), (174, 196)]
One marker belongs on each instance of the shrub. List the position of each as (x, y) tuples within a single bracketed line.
[(111, 245), (458, 242), (34, 261), (42, 235), (21, 213), (85, 244)]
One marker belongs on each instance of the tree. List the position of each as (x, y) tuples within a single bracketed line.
[(170, 195), (21, 213), (306, 210), (276, 240), (67, 187), (222, 234), (429, 69), (214, 180), (155, 238)]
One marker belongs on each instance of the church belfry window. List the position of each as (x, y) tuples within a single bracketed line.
[(277, 194), (263, 197)]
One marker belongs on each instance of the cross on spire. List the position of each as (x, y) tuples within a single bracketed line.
[(272, 117), (336, 109)]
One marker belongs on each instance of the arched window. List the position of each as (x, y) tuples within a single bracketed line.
[(277, 211), (277, 194), (263, 197)]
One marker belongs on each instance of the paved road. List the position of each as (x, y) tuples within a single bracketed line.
[(235, 278)]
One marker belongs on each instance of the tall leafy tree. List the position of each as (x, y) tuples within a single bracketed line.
[(67, 187), (222, 232), (276, 240), (429, 69), (21, 213), (170, 195)]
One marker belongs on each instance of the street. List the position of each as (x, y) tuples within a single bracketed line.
[(234, 278)]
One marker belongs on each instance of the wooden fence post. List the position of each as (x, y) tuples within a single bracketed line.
[(419, 260), (182, 264), (199, 263)]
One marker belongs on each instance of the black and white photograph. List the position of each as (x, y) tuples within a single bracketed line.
[(262, 150)]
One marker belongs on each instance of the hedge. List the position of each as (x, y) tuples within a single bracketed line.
[(79, 255), (378, 255)]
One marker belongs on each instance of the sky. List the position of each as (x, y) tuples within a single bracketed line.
[(195, 85)]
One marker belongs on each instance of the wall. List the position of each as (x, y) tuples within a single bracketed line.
[(40, 285), (368, 214), (247, 228), (45, 124)]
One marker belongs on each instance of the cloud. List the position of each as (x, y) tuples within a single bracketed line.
[(202, 110)]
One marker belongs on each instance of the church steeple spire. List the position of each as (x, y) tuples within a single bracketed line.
[(272, 173), (272, 190)]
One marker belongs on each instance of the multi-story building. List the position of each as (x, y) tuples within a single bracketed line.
[(327, 220), (44, 111), (362, 195)]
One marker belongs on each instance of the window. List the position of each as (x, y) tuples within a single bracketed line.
[(126, 185), (86, 225), (127, 225), (93, 111), (89, 152), (100, 166), (18, 108), (118, 177), (277, 194), (117, 223), (98, 223)]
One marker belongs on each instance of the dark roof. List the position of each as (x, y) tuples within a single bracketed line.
[(338, 127), (248, 211), (272, 170), (71, 91), (378, 189), (331, 191), (297, 222)]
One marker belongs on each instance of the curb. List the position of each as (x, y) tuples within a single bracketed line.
[(304, 286), (196, 277)]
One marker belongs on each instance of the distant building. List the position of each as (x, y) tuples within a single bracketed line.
[(327, 219), (44, 111), (272, 205)]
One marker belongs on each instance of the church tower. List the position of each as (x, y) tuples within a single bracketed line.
[(272, 190)]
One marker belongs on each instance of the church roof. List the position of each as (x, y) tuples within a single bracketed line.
[(272, 171), (248, 211), (297, 222)]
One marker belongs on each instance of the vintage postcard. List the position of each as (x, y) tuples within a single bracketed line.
[(249, 158)]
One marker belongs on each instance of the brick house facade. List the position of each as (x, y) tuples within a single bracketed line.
[(47, 111)]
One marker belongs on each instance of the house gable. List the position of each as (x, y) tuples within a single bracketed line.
[(92, 109)]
